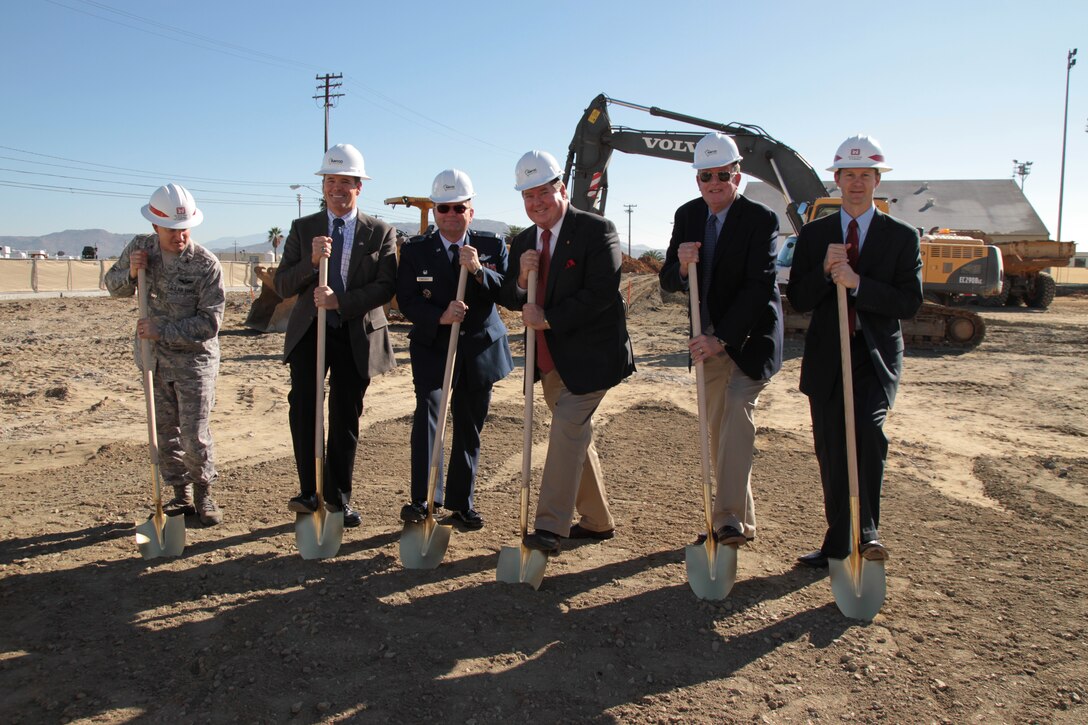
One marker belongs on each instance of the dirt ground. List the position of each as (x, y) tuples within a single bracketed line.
[(984, 514)]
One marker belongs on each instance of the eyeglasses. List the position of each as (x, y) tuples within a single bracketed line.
[(445, 208), (705, 176)]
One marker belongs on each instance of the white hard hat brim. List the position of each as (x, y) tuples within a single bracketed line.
[(194, 220), (882, 168), (362, 177), (453, 199), (526, 185)]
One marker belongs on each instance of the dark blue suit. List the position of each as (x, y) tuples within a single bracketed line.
[(890, 267), (426, 284)]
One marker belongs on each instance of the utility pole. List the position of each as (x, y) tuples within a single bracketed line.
[(628, 208), (1070, 61), (1021, 169), (327, 97)]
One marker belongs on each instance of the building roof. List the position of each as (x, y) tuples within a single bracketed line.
[(995, 206)]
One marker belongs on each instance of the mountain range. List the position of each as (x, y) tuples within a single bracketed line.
[(71, 242)]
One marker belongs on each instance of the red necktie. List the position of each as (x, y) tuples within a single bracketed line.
[(543, 354), (852, 258)]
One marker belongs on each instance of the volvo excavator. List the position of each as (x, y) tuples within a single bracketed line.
[(951, 263)]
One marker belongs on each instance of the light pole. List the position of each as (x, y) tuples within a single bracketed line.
[(1070, 61), (1021, 169), (298, 195)]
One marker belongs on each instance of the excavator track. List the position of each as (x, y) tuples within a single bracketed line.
[(935, 326)]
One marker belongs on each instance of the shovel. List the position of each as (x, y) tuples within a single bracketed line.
[(520, 564), (712, 567), (857, 583), (160, 535), (318, 535), (423, 545)]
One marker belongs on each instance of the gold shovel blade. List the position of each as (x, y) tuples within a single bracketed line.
[(859, 586), (161, 536), (712, 569), (423, 545), (318, 535), (521, 565)]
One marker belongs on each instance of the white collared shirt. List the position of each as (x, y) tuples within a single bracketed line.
[(863, 221), (448, 244)]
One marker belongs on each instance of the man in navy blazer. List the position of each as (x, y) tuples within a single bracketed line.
[(883, 278), (732, 240), (582, 346), (362, 278), (426, 293)]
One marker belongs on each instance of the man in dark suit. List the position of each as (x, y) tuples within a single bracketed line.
[(362, 278), (426, 293), (877, 258), (582, 346), (740, 344)]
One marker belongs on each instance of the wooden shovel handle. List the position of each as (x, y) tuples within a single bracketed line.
[(700, 387), (148, 365), (319, 392), (848, 391), (447, 383), (527, 440)]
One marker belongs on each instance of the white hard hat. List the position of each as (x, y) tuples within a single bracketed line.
[(343, 159), (173, 207), (451, 186), (715, 149), (859, 152), (536, 168)]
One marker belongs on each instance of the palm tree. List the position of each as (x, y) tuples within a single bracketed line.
[(654, 254), (275, 236), (512, 230)]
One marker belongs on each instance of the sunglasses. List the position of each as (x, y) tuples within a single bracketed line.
[(706, 176), (445, 208)]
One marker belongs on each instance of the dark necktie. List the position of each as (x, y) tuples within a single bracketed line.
[(336, 279), (706, 263), (455, 258), (543, 354), (852, 258)]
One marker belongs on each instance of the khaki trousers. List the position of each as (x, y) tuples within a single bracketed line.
[(572, 476), (731, 402)]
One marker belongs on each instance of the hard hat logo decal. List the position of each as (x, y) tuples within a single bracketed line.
[(530, 172), (179, 212), (448, 187), (855, 153)]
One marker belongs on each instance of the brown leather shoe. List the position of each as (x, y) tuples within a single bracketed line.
[(542, 540)]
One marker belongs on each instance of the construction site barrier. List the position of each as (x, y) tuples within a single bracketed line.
[(78, 275)]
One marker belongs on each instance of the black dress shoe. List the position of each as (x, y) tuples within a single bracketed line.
[(579, 532), (469, 518), (303, 504), (414, 513), (874, 551), (542, 540), (816, 560), (730, 536), (351, 516)]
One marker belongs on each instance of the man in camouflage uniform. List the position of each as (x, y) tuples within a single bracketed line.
[(185, 310)]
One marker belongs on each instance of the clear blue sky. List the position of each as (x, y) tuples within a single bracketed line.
[(116, 97)]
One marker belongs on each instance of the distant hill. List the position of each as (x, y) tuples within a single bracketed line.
[(72, 242)]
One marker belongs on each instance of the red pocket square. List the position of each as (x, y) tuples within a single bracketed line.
[(569, 264)]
